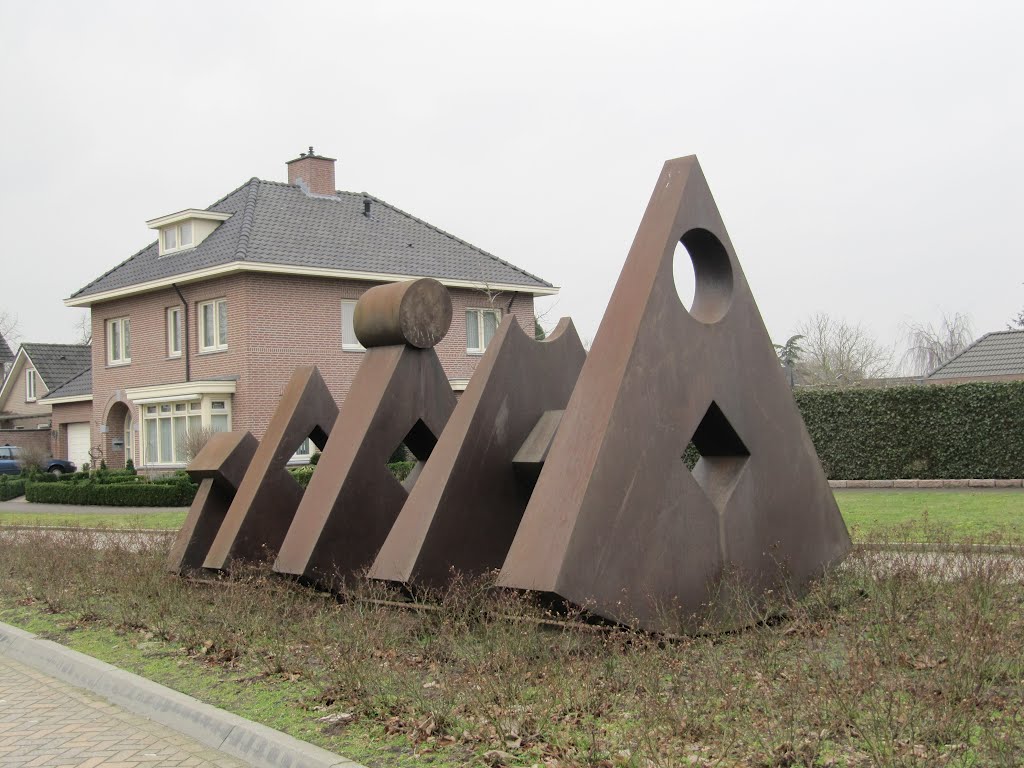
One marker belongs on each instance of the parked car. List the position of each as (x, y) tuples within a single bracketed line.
[(11, 462)]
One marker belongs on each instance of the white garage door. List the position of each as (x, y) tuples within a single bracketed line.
[(78, 443)]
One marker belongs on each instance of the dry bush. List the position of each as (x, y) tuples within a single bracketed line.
[(898, 658), (33, 458), (195, 439)]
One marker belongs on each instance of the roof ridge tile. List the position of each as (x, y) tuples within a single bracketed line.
[(248, 217)]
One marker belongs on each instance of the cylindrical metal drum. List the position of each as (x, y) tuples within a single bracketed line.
[(415, 312)]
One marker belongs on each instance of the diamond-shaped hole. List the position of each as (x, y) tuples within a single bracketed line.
[(716, 456), (307, 448), (416, 446)]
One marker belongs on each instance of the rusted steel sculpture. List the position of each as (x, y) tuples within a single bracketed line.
[(400, 394), (467, 503), (219, 469), (266, 500), (617, 523)]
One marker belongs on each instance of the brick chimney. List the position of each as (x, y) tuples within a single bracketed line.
[(314, 172)]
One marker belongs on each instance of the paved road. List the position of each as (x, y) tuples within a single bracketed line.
[(45, 723), (70, 510)]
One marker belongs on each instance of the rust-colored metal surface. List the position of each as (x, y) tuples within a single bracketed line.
[(219, 469), (263, 507), (414, 312), (617, 523), (400, 395), (467, 503)]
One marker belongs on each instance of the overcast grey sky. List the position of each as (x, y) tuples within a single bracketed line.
[(867, 157)]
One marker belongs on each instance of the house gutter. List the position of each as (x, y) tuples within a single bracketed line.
[(184, 331)]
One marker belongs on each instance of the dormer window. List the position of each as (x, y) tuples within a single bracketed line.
[(185, 229), (177, 237)]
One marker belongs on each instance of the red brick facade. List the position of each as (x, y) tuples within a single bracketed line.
[(29, 439), (275, 323)]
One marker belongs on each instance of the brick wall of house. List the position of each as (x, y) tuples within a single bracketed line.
[(307, 312), (64, 414), (150, 363), (275, 323), (26, 438)]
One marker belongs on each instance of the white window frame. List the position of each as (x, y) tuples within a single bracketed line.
[(177, 230), (124, 348), (218, 346), (174, 323), (30, 385), (352, 345), (151, 414), (304, 452), (480, 312)]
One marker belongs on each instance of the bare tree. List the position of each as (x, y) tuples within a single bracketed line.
[(83, 328), (838, 353), (929, 346), (9, 328)]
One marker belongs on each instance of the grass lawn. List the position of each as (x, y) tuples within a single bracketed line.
[(928, 515), (933, 514), (168, 520)]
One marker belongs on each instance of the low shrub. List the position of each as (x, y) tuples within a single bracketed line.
[(113, 494), (302, 475), (11, 488), (401, 469)]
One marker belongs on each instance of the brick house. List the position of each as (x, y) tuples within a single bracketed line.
[(38, 370), (202, 328)]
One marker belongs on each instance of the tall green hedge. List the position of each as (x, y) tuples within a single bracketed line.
[(955, 431)]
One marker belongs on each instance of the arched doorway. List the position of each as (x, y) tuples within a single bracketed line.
[(116, 431)]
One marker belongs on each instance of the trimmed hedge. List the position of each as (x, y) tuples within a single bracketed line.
[(401, 469), (933, 432), (11, 488), (302, 474), (121, 494)]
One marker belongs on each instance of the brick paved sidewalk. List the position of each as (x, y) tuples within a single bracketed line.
[(45, 723)]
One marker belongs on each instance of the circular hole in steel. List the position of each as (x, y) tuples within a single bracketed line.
[(703, 275)]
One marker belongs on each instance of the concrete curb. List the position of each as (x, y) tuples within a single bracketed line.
[(235, 736), (911, 483)]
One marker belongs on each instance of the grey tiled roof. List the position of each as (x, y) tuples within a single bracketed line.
[(57, 363), (6, 355), (280, 224), (75, 387), (1000, 353)]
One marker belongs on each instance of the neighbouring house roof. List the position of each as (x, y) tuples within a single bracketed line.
[(58, 363), (55, 364), (1000, 353), (76, 388), (280, 227)]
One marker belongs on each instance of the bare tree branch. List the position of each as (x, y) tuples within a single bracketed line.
[(838, 353), (10, 328), (83, 328), (928, 346)]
